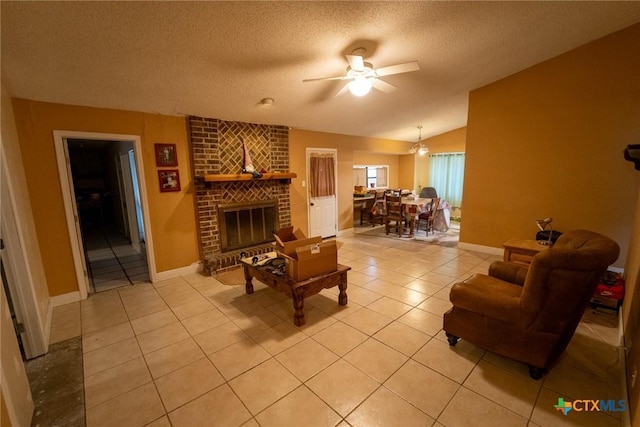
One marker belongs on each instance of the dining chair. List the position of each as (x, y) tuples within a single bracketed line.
[(428, 193), (378, 210), (429, 216), (395, 213), (365, 210)]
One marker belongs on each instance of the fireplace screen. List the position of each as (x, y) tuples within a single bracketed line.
[(247, 224)]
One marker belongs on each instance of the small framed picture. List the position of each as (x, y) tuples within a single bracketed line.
[(169, 180), (166, 155)]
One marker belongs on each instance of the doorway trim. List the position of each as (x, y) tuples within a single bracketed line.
[(60, 138)]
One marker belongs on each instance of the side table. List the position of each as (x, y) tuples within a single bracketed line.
[(521, 251)]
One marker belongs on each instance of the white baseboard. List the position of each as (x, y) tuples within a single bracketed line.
[(65, 299), (177, 272), (480, 248)]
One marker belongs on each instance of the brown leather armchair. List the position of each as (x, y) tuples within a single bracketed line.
[(529, 314)]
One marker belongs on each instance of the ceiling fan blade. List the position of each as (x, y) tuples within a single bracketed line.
[(342, 90), (356, 62), (327, 78), (398, 68), (383, 86)]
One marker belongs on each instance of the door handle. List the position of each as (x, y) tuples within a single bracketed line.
[(311, 204)]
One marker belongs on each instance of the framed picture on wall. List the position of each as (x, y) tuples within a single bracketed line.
[(166, 155), (169, 180)]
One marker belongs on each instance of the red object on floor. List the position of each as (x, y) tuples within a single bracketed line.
[(609, 293)]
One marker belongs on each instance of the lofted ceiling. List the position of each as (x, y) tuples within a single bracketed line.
[(219, 59)]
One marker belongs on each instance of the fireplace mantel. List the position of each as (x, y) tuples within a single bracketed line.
[(248, 177)]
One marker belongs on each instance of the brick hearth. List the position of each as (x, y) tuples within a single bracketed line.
[(216, 148)]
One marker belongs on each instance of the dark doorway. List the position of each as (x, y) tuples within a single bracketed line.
[(114, 253)]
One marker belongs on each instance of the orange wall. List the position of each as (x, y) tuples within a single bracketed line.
[(300, 140), (173, 224), (548, 141), (449, 142), (406, 163)]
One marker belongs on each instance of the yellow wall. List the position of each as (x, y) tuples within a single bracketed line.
[(172, 215), (300, 140), (449, 142), (406, 164), (548, 141)]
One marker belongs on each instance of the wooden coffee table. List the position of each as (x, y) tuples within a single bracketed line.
[(297, 291)]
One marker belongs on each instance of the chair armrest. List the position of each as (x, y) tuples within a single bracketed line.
[(491, 297), (508, 272)]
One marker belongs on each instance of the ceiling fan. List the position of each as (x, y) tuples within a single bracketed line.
[(363, 76)]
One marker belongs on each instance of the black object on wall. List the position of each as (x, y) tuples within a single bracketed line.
[(632, 154)]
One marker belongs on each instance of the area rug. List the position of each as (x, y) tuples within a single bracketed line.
[(447, 238), (231, 277)]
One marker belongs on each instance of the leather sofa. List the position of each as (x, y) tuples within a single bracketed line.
[(529, 314)]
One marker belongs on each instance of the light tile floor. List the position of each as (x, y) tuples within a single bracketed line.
[(192, 351)]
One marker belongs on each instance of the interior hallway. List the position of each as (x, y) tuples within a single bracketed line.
[(112, 261), (193, 351)]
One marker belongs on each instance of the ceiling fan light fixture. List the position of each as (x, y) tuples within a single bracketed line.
[(360, 86)]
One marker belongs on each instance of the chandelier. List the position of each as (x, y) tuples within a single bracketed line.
[(419, 147)]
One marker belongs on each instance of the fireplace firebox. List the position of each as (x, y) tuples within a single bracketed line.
[(247, 224)]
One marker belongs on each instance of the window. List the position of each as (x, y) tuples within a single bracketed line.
[(446, 174), (371, 176)]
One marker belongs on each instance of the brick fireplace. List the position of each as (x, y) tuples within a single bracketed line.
[(216, 149)]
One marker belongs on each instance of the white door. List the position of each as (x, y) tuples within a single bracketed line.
[(16, 276), (323, 212), (136, 195), (123, 196), (80, 261), (129, 201)]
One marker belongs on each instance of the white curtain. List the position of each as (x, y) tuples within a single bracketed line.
[(381, 177), (360, 177), (446, 174)]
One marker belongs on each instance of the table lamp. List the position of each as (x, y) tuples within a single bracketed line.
[(542, 225)]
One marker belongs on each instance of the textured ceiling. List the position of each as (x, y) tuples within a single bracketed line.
[(219, 59)]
